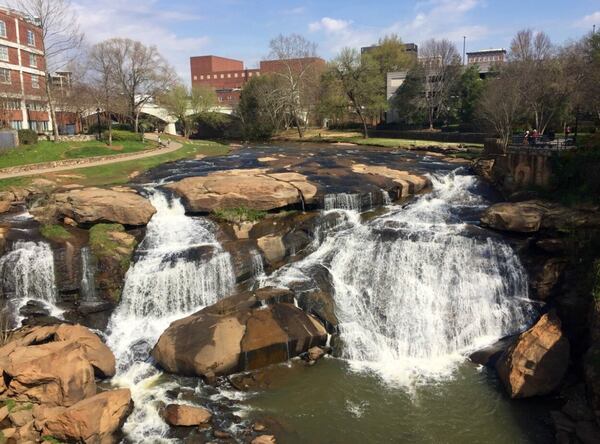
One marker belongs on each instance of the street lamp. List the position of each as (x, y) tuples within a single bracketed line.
[(98, 117)]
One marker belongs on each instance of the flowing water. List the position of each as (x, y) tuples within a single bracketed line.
[(27, 274), (88, 282), (180, 268)]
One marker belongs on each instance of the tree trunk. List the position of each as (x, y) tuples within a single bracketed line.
[(109, 131), (52, 110), (137, 121), (298, 126)]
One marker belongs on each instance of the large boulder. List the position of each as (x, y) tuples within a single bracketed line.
[(520, 217), (186, 415), (53, 365), (244, 332), (96, 205), (406, 183), (538, 361), (255, 189), (94, 420)]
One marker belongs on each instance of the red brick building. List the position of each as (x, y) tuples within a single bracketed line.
[(228, 76), (22, 73)]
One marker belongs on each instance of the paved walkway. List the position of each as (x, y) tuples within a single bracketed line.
[(172, 146)]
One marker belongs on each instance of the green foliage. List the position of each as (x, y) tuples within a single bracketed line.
[(216, 126), (258, 110), (55, 232), (28, 137), (596, 276), (408, 100), (50, 439), (123, 136), (10, 404), (468, 91), (101, 242), (240, 214), (576, 177)]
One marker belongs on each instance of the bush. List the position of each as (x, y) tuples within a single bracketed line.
[(216, 126), (28, 137), (122, 136), (240, 214), (576, 175)]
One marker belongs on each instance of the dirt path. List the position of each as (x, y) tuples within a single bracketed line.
[(172, 146)]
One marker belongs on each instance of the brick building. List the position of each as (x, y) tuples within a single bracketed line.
[(228, 76), (486, 59), (22, 73)]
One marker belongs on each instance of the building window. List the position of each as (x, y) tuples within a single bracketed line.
[(250, 74), (195, 77), (228, 76), (2, 29), (33, 60), (201, 77), (30, 38), (235, 75), (16, 124), (4, 76), (4, 53), (222, 76), (35, 81)]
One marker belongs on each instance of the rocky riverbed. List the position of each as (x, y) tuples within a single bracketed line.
[(215, 287)]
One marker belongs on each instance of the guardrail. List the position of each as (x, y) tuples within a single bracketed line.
[(541, 144)]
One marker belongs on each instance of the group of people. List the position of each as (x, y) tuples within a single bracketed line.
[(531, 137)]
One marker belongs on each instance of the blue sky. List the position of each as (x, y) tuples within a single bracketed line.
[(242, 28)]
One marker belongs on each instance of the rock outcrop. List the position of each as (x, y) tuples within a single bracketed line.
[(538, 361), (244, 332), (534, 215), (407, 183), (48, 382), (255, 189), (94, 420), (95, 205)]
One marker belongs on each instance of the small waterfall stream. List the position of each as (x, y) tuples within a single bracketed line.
[(180, 268), (417, 289), (27, 273)]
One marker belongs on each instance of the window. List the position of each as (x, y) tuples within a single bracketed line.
[(195, 77), (235, 75), (35, 81), (4, 53), (4, 75), (2, 29), (208, 77), (201, 77), (30, 38), (12, 105), (33, 60), (16, 124), (222, 76)]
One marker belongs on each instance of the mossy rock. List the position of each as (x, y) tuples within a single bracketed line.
[(55, 232), (239, 214)]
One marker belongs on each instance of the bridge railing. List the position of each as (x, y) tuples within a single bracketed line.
[(543, 143)]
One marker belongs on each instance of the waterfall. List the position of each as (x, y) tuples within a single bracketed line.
[(343, 201), (179, 268), (88, 282), (417, 289), (27, 273), (258, 267)]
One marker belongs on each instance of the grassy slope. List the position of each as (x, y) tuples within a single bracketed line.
[(118, 173), (45, 151)]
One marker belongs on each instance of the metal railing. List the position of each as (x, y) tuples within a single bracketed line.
[(543, 143)]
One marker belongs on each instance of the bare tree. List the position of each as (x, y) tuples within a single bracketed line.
[(501, 104), (528, 46), (61, 38), (141, 74), (441, 64), (296, 63)]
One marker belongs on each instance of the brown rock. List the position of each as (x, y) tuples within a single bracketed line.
[(93, 420), (259, 427), (520, 217), (186, 415), (3, 413), (8, 433), (95, 205), (537, 362), (238, 333), (219, 434), (408, 183), (264, 439), (315, 353), (588, 432), (21, 417), (547, 278), (253, 189)]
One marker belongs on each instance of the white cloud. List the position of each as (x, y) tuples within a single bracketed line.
[(589, 20), (328, 24), (143, 21)]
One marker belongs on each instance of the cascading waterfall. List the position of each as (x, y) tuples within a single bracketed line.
[(27, 273), (343, 201), (180, 268), (88, 282), (417, 289)]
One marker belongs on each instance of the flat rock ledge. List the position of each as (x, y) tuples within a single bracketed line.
[(243, 332), (407, 183), (255, 189), (88, 206)]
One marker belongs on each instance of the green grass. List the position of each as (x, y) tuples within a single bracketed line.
[(101, 242), (119, 173), (240, 214), (46, 151), (55, 232)]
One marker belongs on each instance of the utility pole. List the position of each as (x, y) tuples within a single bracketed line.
[(464, 50)]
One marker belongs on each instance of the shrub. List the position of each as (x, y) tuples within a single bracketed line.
[(216, 126), (576, 175), (240, 214), (122, 136), (28, 137)]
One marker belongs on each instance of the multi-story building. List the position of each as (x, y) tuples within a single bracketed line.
[(23, 101), (228, 76), (486, 59)]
